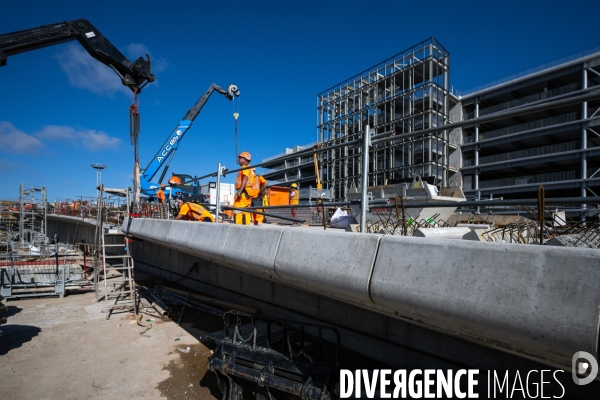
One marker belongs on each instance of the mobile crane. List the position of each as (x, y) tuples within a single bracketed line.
[(134, 75), (166, 152)]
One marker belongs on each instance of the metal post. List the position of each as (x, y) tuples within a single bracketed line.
[(45, 204), (21, 215), (478, 192), (365, 178), (584, 109), (98, 168), (218, 206), (169, 203)]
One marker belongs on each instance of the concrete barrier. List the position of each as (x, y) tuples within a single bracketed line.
[(531, 299), (208, 240), (179, 235), (331, 263), (535, 300), (253, 250)]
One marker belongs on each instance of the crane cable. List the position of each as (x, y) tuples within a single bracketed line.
[(236, 116), (134, 133), (134, 125)]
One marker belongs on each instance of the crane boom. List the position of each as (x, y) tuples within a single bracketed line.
[(167, 150), (134, 75)]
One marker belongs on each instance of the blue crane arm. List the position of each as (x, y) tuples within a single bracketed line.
[(167, 150)]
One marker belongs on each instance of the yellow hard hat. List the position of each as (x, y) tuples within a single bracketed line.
[(294, 185)]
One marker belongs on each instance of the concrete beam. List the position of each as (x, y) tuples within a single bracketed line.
[(538, 301), (334, 263)]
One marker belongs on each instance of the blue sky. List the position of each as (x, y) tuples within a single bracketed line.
[(61, 110)]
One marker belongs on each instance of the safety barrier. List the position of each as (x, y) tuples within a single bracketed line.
[(539, 301)]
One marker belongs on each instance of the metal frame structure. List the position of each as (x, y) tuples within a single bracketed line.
[(408, 92), (558, 148), (32, 215)]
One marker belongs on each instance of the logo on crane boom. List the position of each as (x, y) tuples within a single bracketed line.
[(169, 145)]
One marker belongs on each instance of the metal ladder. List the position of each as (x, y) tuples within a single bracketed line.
[(113, 264)]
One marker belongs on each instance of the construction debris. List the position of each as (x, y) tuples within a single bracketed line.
[(275, 359), (213, 301)]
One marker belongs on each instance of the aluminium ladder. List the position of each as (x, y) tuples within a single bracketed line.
[(113, 269)]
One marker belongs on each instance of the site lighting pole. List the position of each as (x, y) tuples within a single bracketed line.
[(220, 172), (98, 168)]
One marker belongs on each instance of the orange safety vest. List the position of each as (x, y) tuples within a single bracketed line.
[(252, 185), (294, 198), (196, 212), (160, 194)]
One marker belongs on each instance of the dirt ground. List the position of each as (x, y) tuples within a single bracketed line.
[(55, 348)]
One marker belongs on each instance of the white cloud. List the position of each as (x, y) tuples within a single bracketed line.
[(7, 166), (87, 73), (135, 50), (90, 139), (16, 141), (56, 132), (97, 141)]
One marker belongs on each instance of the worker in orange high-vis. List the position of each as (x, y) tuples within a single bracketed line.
[(160, 194), (246, 186), (294, 197), (193, 212), (261, 200)]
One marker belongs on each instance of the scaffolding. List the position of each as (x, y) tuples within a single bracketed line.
[(32, 216), (406, 93)]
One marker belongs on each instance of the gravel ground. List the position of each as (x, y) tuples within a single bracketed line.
[(55, 348)]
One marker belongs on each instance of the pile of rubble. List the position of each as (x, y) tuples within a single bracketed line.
[(589, 239)]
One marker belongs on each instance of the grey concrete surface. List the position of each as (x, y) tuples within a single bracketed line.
[(66, 349), (334, 263), (244, 253), (532, 300), (542, 301)]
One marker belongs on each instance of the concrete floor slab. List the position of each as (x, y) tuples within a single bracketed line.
[(66, 349)]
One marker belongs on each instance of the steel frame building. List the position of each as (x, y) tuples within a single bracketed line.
[(558, 148), (405, 93), (510, 158)]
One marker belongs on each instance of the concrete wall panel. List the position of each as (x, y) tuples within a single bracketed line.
[(208, 240), (534, 300), (180, 234), (539, 300), (253, 249), (337, 263)]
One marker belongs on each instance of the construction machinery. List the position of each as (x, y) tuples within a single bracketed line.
[(134, 75), (166, 152)]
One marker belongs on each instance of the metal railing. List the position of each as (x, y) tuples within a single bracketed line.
[(530, 71)]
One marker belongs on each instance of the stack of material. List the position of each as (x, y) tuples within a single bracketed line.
[(3, 309), (152, 303), (310, 215), (157, 302)]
